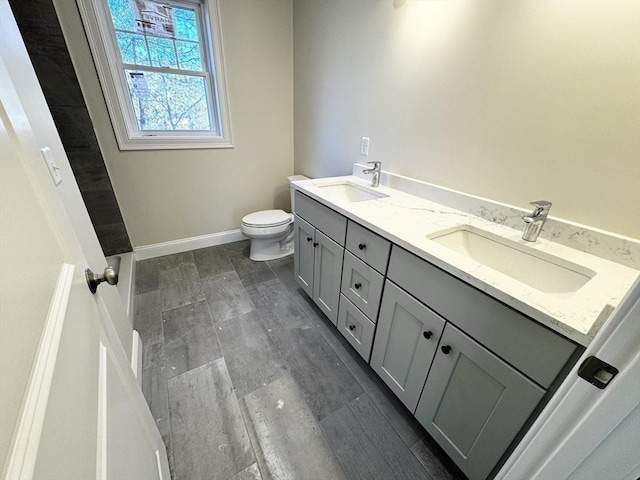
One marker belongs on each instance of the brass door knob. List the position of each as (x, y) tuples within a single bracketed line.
[(93, 280)]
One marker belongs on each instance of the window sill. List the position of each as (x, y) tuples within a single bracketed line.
[(172, 143)]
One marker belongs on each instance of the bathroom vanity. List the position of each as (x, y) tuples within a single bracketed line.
[(472, 329)]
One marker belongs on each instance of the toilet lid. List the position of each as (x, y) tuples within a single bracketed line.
[(266, 218)]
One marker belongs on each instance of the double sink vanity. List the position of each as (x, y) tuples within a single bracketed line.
[(470, 326)]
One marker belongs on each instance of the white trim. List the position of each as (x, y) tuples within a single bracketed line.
[(136, 356), (26, 438), (101, 448), (186, 244), (126, 281), (159, 464)]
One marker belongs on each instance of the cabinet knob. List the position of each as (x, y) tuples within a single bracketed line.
[(362, 246), (358, 285), (352, 327), (427, 335), (445, 349), (315, 244), (309, 239)]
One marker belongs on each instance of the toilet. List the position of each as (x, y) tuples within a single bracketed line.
[(270, 231)]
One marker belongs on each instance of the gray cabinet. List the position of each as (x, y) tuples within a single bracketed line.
[(319, 238), (474, 403), (365, 260), (318, 267), (470, 368), (303, 255), (533, 349), (405, 343), (327, 270)]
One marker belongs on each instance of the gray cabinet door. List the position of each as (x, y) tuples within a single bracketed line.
[(405, 343), (303, 256), (327, 272), (473, 403)]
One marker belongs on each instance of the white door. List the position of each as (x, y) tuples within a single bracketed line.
[(70, 406)]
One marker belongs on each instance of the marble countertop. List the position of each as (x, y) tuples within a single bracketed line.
[(407, 220)]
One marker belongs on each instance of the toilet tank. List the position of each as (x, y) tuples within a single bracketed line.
[(292, 191)]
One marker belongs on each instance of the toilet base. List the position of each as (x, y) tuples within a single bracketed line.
[(263, 250)]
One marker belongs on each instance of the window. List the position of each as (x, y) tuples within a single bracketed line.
[(160, 67)]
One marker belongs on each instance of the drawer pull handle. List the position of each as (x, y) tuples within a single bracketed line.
[(427, 335), (362, 246), (358, 285), (352, 327), (315, 244), (445, 349), (309, 239)]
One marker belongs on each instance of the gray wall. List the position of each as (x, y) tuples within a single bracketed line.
[(510, 100), (47, 49)]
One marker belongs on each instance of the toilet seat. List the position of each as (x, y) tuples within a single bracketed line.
[(267, 219)]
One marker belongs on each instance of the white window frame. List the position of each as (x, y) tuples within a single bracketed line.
[(96, 18)]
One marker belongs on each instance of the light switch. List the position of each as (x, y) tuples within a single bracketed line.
[(54, 169)]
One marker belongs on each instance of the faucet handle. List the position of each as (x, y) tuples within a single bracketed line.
[(542, 207), (375, 164)]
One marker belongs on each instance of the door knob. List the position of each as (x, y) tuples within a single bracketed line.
[(93, 280)]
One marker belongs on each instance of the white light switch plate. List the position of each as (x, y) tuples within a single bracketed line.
[(54, 169), (364, 146)]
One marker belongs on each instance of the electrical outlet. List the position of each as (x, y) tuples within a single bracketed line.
[(364, 146)]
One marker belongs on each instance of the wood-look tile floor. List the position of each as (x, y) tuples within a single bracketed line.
[(247, 379)]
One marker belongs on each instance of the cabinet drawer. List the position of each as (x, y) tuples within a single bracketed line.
[(528, 346), (355, 327), (323, 218), (362, 285), (368, 246)]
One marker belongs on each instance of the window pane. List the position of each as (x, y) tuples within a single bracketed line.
[(189, 55), (170, 102), (186, 27), (162, 52), (133, 48), (121, 14)]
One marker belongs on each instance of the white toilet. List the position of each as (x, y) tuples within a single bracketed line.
[(270, 231)]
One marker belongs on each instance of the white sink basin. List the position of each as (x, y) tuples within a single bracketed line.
[(542, 271), (351, 192)]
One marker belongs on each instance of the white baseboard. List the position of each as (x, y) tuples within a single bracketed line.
[(186, 244)]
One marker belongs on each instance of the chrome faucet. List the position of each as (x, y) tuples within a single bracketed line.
[(535, 220), (375, 171)]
